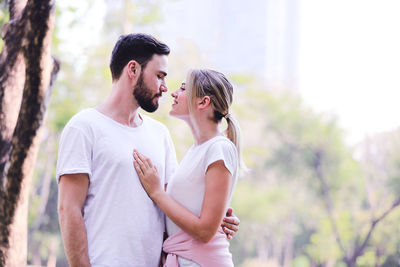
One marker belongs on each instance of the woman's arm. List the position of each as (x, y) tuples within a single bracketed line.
[(218, 183), (230, 223)]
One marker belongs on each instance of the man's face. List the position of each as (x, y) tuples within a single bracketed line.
[(151, 83)]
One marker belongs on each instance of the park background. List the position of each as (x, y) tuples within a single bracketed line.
[(316, 97)]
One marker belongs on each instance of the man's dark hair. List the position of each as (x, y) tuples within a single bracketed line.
[(139, 47)]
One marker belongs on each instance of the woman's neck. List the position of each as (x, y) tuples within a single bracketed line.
[(203, 130)]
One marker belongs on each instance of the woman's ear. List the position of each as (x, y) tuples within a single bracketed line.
[(203, 102)]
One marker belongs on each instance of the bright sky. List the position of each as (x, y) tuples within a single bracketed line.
[(350, 62)]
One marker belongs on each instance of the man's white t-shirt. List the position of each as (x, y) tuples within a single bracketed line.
[(124, 227), (187, 185)]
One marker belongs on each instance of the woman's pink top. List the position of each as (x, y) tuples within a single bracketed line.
[(214, 253)]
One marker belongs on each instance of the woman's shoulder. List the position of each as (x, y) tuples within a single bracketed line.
[(221, 142), (220, 147)]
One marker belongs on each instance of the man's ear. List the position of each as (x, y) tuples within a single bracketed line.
[(133, 69), (203, 102)]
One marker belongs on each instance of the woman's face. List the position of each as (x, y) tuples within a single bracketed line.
[(180, 108)]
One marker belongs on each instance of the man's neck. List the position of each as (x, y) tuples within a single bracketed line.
[(121, 107)]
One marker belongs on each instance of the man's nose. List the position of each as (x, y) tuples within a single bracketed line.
[(164, 87)]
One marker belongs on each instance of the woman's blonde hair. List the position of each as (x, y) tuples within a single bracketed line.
[(205, 82)]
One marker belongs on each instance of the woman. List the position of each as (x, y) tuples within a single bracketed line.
[(200, 191)]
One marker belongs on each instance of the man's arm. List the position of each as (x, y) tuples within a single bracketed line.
[(72, 191)]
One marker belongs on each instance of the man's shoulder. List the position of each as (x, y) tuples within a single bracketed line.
[(83, 118)]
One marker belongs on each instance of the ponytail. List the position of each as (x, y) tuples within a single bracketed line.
[(232, 132)]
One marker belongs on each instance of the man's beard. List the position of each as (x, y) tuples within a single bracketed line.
[(144, 97)]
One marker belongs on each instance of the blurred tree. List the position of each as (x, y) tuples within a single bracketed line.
[(27, 73), (380, 161), (306, 193)]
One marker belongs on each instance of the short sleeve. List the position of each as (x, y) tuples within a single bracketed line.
[(74, 153), (171, 163), (225, 151)]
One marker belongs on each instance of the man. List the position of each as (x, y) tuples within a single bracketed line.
[(106, 218)]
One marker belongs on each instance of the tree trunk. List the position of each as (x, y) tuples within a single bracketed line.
[(288, 247), (27, 73), (50, 148)]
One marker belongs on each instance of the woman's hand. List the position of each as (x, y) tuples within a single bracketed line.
[(230, 224), (148, 174)]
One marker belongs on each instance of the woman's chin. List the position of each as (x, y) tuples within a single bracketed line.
[(179, 116), (173, 114)]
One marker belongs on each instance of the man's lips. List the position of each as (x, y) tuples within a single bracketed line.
[(157, 96)]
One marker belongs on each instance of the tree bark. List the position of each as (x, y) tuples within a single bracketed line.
[(27, 74)]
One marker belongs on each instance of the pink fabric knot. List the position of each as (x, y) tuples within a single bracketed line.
[(214, 253)]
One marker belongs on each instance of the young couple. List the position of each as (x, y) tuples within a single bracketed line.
[(111, 205)]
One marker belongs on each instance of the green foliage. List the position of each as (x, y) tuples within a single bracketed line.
[(4, 17), (322, 245), (301, 261), (393, 162), (368, 259)]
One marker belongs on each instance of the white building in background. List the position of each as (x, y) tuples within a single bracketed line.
[(254, 37)]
